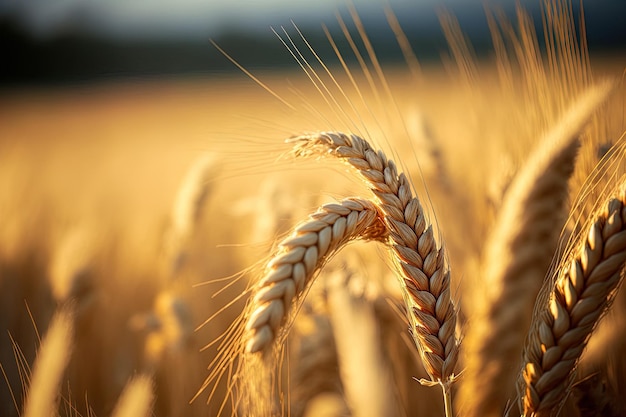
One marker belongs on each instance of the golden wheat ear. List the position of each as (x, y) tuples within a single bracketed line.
[(314, 372), (516, 259), (193, 194), (136, 399), (369, 390), (568, 311), (423, 272), (298, 259), (52, 359), (71, 271)]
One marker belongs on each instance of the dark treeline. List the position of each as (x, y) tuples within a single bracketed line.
[(76, 57)]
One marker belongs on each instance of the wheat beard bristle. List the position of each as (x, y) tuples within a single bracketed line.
[(583, 291), (424, 275)]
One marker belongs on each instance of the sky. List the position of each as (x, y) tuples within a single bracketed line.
[(190, 18)]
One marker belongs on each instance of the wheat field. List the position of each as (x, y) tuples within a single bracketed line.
[(416, 239)]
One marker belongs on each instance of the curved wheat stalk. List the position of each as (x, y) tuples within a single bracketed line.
[(584, 288), (423, 272), (517, 256)]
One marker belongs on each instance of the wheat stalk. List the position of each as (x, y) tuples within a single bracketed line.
[(423, 272), (583, 290)]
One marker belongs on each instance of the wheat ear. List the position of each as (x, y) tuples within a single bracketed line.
[(313, 353), (191, 199), (583, 290), (52, 359), (297, 260), (71, 272), (369, 390), (517, 257), (252, 345), (424, 275), (277, 296), (137, 398)]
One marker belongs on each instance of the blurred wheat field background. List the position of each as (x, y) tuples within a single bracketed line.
[(134, 211)]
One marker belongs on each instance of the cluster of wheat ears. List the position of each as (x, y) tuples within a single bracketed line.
[(546, 278)]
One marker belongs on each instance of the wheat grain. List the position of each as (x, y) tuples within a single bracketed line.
[(584, 288), (424, 274), (517, 257)]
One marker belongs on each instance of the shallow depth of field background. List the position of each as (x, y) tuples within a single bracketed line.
[(97, 131)]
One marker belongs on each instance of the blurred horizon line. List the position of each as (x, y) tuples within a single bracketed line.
[(75, 56)]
